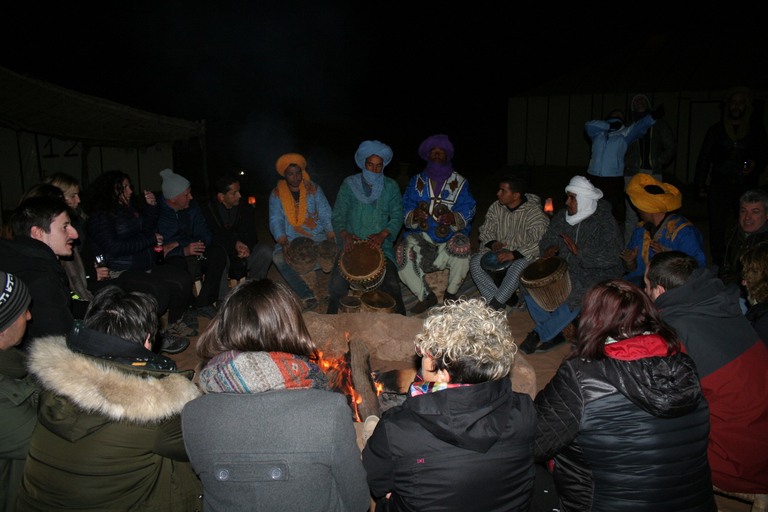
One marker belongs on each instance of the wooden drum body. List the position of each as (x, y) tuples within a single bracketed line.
[(363, 266), (301, 254), (548, 281)]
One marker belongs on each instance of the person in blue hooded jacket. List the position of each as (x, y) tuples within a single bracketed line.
[(610, 139)]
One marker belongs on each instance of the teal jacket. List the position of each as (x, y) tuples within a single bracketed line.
[(362, 220)]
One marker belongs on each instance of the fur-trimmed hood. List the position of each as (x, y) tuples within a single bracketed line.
[(111, 390)]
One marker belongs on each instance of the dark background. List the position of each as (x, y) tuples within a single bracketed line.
[(319, 77)]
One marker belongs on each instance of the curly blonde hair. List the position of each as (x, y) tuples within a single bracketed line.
[(469, 340)]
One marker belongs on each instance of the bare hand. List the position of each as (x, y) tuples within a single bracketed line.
[(630, 257), (102, 273), (497, 246), (656, 246), (570, 244), (149, 197), (330, 235), (347, 239), (194, 249), (158, 238), (242, 250), (505, 256), (419, 214), (378, 239), (447, 218), (169, 247), (550, 251)]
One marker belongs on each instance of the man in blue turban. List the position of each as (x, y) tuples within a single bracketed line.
[(368, 207), (438, 210)]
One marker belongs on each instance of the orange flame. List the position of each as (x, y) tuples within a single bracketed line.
[(340, 378), (251, 200), (548, 207)]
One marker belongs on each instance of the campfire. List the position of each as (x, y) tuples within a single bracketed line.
[(351, 375)]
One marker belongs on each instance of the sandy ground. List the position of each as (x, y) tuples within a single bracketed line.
[(546, 183)]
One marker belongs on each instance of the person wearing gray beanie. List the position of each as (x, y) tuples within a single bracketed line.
[(173, 184), (14, 310)]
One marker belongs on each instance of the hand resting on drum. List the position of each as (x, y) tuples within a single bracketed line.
[(505, 256), (377, 239), (549, 252)]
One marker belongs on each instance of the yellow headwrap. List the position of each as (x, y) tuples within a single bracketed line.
[(295, 215), (669, 201)]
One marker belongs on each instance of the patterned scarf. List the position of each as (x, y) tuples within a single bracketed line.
[(422, 387), (256, 372), (296, 214)]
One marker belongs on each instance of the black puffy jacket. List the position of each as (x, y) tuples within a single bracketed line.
[(627, 432), (464, 448)]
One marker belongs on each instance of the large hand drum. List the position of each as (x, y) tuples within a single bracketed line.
[(548, 281), (363, 266), (495, 268), (301, 254)]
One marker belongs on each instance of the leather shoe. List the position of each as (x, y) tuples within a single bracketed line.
[(425, 304), (531, 342), (449, 296), (551, 344)]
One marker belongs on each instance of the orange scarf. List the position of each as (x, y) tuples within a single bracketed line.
[(296, 213)]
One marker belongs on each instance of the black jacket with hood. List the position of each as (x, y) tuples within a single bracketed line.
[(627, 435), (463, 448)]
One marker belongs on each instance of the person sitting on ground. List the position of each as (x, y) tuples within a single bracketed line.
[(587, 237), (233, 224), (188, 244), (368, 207), (659, 229), (622, 437), (126, 237), (42, 234), (297, 207), (464, 440), (513, 228), (755, 277), (751, 230), (439, 209), (109, 424), (19, 390), (732, 364), (261, 377)]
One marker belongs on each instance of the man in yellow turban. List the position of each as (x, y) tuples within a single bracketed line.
[(659, 229), (297, 207)]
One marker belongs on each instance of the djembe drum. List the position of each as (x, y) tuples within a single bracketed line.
[(548, 281), (363, 266), (495, 268), (301, 254)]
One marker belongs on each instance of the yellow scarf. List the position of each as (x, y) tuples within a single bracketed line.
[(296, 213)]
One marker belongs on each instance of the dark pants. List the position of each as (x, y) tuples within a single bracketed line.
[(212, 267), (338, 287)]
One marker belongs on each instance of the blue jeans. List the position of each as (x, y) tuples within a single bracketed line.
[(549, 325), (291, 277)]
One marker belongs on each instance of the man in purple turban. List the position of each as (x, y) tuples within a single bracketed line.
[(438, 210)]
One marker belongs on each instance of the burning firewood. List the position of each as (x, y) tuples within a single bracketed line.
[(360, 367)]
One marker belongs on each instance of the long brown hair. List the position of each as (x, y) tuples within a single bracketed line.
[(258, 316), (619, 310)]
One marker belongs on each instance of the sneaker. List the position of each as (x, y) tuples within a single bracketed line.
[(172, 344), (551, 344), (530, 343), (368, 427), (207, 311), (190, 318), (181, 329), (425, 304)]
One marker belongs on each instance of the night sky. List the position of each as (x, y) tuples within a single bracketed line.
[(318, 77)]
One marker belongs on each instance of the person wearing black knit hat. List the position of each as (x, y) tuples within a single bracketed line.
[(18, 391)]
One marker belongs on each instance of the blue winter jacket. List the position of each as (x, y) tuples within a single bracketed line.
[(608, 148)]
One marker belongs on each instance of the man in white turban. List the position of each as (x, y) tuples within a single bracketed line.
[(587, 237)]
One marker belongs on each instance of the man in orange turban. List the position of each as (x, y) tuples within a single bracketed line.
[(659, 229), (297, 207)]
